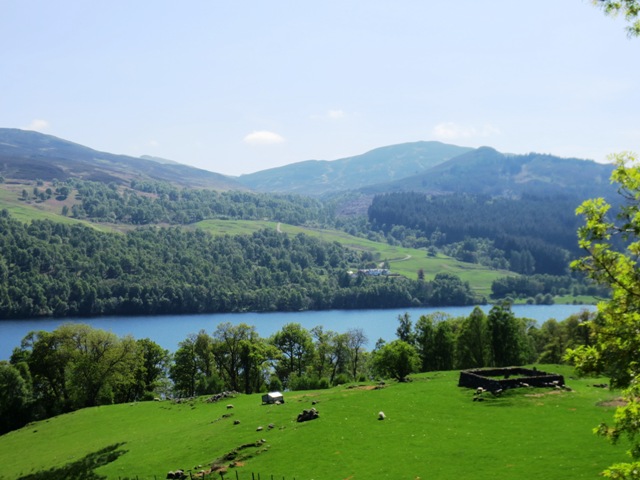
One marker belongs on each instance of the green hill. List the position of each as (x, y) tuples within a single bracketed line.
[(317, 177), (433, 430), (27, 155)]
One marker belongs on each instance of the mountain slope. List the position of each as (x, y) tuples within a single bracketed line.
[(317, 177), (27, 155), (489, 172)]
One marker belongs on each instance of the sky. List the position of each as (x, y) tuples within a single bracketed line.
[(239, 86)]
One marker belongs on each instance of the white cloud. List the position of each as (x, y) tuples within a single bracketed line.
[(263, 137), (453, 131), (154, 143), (335, 114), (38, 125)]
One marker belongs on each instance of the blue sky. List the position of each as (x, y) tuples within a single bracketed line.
[(240, 86)]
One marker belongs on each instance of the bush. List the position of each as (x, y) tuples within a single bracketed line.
[(275, 384), (341, 379)]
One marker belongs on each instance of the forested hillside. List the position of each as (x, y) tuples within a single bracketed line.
[(485, 171), (529, 235), (48, 268)]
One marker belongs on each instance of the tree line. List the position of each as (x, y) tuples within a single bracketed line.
[(147, 203), (76, 366)]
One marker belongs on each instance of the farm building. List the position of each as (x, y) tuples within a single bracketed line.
[(272, 397)]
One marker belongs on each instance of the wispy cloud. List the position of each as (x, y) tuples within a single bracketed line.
[(335, 114), (263, 137), (38, 125), (454, 131)]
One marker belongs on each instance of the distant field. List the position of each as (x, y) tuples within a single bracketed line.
[(403, 261), (433, 430), (28, 211)]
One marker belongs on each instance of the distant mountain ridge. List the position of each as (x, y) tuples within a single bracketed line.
[(28, 155), (486, 171), (317, 177), (428, 167)]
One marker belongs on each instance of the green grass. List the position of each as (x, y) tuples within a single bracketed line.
[(433, 430), (403, 261), (29, 211), (234, 227)]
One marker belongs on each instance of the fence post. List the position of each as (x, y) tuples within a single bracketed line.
[(237, 475)]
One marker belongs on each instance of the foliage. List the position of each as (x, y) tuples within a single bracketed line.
[(613, 248), (629, 8), (70, 270), (15, 398), (483, 229), (612, 242), (523, 286), (396, 359), (153, 203)]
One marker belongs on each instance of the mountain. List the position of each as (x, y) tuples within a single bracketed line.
[(27, 155), (317, 177), (489, 172)]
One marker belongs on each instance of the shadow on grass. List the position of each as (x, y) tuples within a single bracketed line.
[(82, 469)]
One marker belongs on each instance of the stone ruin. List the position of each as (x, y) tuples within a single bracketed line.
[(499, 379)]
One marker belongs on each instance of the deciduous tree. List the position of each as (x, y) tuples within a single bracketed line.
[(611, 238)]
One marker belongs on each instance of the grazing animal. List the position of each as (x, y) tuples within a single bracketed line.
[(381, 416)]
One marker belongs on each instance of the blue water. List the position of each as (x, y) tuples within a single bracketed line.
[(169, 330)]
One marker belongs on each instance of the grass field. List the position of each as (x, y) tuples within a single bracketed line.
[(433, 430), (403, 261)]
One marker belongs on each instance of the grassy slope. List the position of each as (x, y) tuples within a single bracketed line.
[(28, 211), (433, 430), (403, 261)]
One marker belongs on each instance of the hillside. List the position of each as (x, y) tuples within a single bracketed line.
[(432, 430), (27, 155), (317, 177), (486, 171)]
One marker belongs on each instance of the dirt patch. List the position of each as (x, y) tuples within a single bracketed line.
[(616, 402), (363, 387), (538, 395)]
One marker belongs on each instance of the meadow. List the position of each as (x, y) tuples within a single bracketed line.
[(433, 430), (402, 261)]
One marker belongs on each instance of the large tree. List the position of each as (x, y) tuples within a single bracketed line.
[(296, 345), (396, 360), (611, 238)]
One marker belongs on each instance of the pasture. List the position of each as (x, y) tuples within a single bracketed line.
[(402, 261), (432, 430)]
